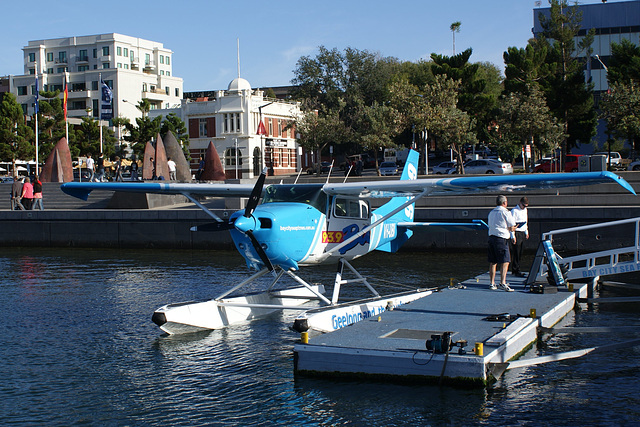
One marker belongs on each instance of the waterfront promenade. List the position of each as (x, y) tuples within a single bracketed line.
[(154, 221)]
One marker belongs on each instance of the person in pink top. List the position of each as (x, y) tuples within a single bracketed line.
[(27, 194), (37, 194)]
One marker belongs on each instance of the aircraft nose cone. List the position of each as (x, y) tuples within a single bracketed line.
[(245, 224)]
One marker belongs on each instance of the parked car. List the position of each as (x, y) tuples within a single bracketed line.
[(615, 157), (553, 165), (634, 166), (444, 168), (484, 166), (388, 168)]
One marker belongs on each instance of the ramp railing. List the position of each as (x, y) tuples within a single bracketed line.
[(593, 250)]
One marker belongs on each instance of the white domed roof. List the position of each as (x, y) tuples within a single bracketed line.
[(239, 84)]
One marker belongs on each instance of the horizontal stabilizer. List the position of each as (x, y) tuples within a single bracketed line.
[(213, 226), (475, 225)]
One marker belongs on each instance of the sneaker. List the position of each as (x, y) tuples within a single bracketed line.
[(493, 287), (505, 287)]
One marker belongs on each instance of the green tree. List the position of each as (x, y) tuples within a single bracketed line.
[(525, 118), (624, 63), (475, 96), (455, 28), (621, 108), (15, 135), (567, 94), (87, 137), (318, 132), (178, 128), (524, 67)]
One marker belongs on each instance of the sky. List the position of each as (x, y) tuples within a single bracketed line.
[(273, 35)]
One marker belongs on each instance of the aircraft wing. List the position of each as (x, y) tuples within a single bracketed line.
[(470, 185), (82, 190)]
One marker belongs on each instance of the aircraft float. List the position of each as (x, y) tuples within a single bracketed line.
[(299, 225)]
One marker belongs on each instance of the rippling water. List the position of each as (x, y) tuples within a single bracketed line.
[(78, 347)]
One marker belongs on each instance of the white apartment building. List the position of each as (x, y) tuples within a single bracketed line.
[(231, 121), (134, 68)]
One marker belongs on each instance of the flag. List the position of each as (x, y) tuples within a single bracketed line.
[(106, 110), (66, 95), (36, 106), (261, 128)]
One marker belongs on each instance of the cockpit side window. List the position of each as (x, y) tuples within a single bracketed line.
[(309, 194), (351, 208)]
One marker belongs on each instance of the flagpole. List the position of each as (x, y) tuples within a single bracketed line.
[(66, 120), (100, 111), (37, 168)]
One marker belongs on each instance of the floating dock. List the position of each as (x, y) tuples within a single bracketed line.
[(392, 345)]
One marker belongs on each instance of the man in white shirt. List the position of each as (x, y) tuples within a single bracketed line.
[(91, 167), (501, 231), (520, 216), (172, 169)]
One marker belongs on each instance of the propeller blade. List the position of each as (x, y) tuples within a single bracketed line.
[(213, 226), (261, 253), (256, 193)]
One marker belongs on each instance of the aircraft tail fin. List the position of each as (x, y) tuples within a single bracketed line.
[(391, 242)]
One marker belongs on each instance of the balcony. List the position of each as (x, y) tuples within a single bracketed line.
[(155, 95), (82, 59), (61, 60)]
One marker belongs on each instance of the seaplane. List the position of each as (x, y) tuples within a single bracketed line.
[(302, 225)]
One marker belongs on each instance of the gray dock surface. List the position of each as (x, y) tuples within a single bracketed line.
[(393, 345)]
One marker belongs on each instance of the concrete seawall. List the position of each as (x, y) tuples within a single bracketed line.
[(82, 224)]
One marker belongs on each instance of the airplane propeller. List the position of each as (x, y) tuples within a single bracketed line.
[(247, 225)]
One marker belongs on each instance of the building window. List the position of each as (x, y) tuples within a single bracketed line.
[(22, 90), (126, 52), (131, 53), (166, 90), (82, 68), (144, 87), (162, 59), (49, 70), (49, 56), (168, 61), (95, 52), (119, 51), (168, 73), (177, 92), (24, 108), (105, 51), (126, 66), (94, 85), (230, 157), (202, 128), (79, 105), (33, 89), (62, 57), (95, 107), (32, 57), (162, 72), (82, 55), (61, 70), (105, 65), (147, 59), (32, 71), (119, 65)]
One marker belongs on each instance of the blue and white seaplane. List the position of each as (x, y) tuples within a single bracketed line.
[(300, 225)]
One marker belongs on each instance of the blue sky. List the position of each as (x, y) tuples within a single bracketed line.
[(273, 34)]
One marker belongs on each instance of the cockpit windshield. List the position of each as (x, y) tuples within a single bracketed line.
[(310, 194)]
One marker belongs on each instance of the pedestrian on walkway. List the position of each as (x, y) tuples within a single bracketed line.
[(91, 167), (172, 169), (16, 194), (100, 168), (37, 194), (27, 194), (501, 230), (521, 217)]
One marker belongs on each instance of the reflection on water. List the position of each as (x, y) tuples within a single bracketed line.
[(78, 347)]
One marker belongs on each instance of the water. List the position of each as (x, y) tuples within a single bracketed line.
[(78, 348)]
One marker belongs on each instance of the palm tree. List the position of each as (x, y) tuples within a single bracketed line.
[(455, 28)]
